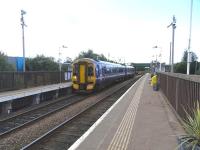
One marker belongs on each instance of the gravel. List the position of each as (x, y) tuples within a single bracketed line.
[(26, 135)]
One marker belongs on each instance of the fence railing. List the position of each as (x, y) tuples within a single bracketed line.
[(181, 90), (19, 80)]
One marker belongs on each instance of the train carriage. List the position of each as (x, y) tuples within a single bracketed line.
[(89, 74), (130, 71)]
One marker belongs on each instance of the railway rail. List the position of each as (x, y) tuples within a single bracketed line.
[(66, 133), (21, 120)]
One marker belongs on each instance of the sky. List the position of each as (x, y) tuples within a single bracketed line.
[(125, 30)]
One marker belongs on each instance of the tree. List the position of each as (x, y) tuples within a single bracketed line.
[(41, 63), (68, 60), (194, 67), (88, 54), (193, 56), (92, 55), (181, 67), (4, 64)]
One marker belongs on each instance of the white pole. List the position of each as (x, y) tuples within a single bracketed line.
[(170, 53), (189, 42), (60, 63), (173, 24), (160, 62), (173, 32), (23, 41)]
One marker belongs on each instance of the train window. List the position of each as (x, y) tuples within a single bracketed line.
[(107, 70), (103, 70), (90, 71), (114, 70), (97, 71), (117, 70), (100, 69), (75, 71), (111, 70)]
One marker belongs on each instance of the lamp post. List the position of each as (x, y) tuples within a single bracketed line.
[(160, 67), (23, 42), (170, 53), (189, 43), (173, 24), (154, 63), (59, 60)]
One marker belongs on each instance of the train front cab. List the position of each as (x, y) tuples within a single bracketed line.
[(83, 76)]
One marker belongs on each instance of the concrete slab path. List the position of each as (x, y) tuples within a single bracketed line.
[(140, 120)]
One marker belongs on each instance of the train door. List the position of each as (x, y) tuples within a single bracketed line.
[(82, 73)]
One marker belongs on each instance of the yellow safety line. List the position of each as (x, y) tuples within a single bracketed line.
[(123, 127), (133, 112), (122, 136), (118, 140), (126, 128), (127, 131), (120, 130)]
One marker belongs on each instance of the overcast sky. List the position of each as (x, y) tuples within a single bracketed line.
[(120, 29)]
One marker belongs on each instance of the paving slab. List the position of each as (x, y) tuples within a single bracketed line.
[(156, 127)]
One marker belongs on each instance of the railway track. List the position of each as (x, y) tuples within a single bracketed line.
[(65, 134), (21, 120)]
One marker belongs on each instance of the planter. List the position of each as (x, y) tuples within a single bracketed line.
[(184, 146)]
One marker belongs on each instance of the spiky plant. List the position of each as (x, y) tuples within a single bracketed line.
[(192, 127)]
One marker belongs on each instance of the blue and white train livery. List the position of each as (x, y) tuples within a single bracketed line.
[(90, 75)]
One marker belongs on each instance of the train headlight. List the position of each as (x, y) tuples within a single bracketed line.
[(74, 78), (90, 87)]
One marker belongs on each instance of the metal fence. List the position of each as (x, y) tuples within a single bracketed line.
[(181, 90), (20, 80)]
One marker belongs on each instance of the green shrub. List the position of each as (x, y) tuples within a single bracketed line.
[(192, 127)]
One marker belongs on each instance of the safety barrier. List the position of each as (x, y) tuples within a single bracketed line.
[(182, 91), (20, 80)]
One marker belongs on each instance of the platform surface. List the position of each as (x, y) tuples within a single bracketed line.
[(140, 120), (10, 95)]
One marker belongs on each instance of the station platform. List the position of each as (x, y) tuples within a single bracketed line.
[(11, 95), (14, 100), (140, 120)]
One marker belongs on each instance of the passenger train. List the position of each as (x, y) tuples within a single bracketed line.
[(89, 75)]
